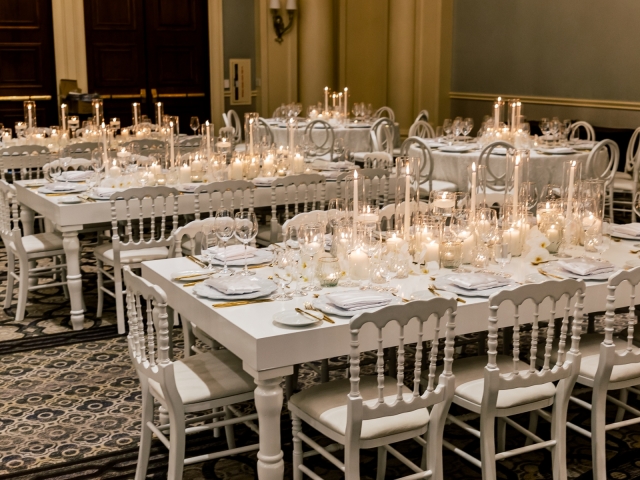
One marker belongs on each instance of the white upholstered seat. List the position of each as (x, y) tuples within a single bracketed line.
[(105, 253), (41, 242)]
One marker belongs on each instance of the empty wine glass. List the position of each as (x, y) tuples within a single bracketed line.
[(194, 124), (339, 147), (528, 194), (467, 126), (224, 227), (370, 240), (447, 127), (501, 251), (246, 229), (282, 275), (545, 126), (337, 212)]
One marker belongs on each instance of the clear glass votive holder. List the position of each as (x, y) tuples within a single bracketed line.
[(329, 271)]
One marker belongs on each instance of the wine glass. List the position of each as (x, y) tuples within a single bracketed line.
[(311, 240), (339, 147), (486, 224), (447, 128), (336, 212), (370, 240), (246, 229), (293, 247), (73, 122), (282, 275), (528, 194), (194, 124), (501, 251), (458, 125), (545, 126), (209, 242), (467, 126), (224, 227)]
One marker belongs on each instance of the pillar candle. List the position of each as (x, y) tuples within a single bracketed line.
[(63, 116), (358, 265), (184, 174), (433, 252), (172, 155), (407, 206), (355, 201), (267, 166), (236, 170), (326, 99), (156, 169), (394, 243), (114, 170)]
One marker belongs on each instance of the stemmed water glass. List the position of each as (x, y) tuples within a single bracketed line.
[(528, 195), (209, 242), (339, 147), (467, 126), (486, 225), (501, 251), (447, 128), (545, 126), (311, 240), (246, 229), (370, 240), (282, 276), (337, 211), (194, 124), (224, 227), (293, 248)]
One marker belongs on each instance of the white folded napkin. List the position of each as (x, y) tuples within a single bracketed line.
[(360, 301), (632, 229), (338, 165), (585, 266), (60, 187), (232, 252), (477, 281), (264, 181), (76, 176), (104, 192), (556, 150), (455, 148), (233, 285)]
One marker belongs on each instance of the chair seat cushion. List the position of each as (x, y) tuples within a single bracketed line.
[(42, 242), (590, 349), (208, 376), (327, 404), (624, 184), (622, 175), (105, 253), (469, 378), (438, 186)]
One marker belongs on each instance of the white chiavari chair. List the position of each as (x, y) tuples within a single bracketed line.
[(82, 149), (375, 411), (413, 146), (385, 112), (422, 129), (234, 121), (504, 385), (26, 250), (267, 130), (382, 160), (602, 164), (625, 184), (609, 363), (496, 165), (322, 136), (575, 131), (422, 116), (200, 383), (143, 213), (375, 181)]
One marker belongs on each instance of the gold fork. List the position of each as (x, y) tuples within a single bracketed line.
[(432, 288), (551, 275), (196, 261), (309, 306)]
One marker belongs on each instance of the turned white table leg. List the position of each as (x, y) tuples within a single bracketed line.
[(71, 246), (268, 400), (27, 217)]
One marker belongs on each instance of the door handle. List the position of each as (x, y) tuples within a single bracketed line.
[(177, 95), (21, 98), (117, 96)]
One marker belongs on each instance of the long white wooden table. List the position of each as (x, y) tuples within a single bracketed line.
[(72, 219), (269, 351)]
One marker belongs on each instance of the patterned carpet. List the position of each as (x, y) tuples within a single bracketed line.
[(70, 408)]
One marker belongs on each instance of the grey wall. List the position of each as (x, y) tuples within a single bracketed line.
[(586, 49)]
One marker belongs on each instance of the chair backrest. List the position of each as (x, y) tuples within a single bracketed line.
[(610, 355), (315, 216), (378, 160), (575, 130), (422, 116), (555, 295), (234, 121), (375, 182), (10, 218), (322, 136), (398, 401), (143, 208), (192, 230), (382, 134), (422, 129), (307, 188), (427, 164), (74, 164), (267, 130), (82, 149), (190, 141), (496, 169), (632, 151), (602, 162), (229, 194), (385, 111), (150, 333), (228, 132), (23, 167), (15, 150), (147, 144)]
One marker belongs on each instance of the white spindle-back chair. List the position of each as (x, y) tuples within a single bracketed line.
[(496, 165), (413, 146), (208, 381), (148, 145), (375, 182), (26, 249), (507, 386), (323, 137), (375, 411), (82, 149), (422, 129), (231, 194), (575, 131), (382, 160), (23, 162), (143, 213), (602, 164)]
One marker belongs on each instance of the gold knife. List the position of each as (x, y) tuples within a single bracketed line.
[(191, 275), (196, 261), (432, 289), (259, 266), (195, 282), (310, 315), (547, 274), (241, 302)]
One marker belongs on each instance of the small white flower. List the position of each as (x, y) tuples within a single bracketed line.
[(538, 255)]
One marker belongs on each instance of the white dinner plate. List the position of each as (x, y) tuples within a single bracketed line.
[(444, 283), (557, 151), (73, 188), (261, 255), (70, 200), (192, 274), (456, 148), (292, 318), (322, 303), (267, 287), (561, 272)]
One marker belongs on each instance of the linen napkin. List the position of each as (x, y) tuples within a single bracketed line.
[(60, 187), (76, 176), (232, 252), (104, 192), (338, 165), (331, 174), (351, 302), (557, 150), (477, 281), (632, 229), (233, 285), (585, 266)]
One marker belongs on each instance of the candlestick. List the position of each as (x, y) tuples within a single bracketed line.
[(103, 133), (474, 180), (251, 137), (407, 205), (172, 155), (355, 201), (346, 96), (159, 113), (63, 116), (136, 112), (326, 99), (516, 185), (207, 138), (572, 175), (96, 112), (30, 117)]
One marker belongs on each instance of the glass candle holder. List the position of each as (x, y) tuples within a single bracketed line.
[(329, 271), (407, 192), (450, 250), (251, 132), (30, 114)]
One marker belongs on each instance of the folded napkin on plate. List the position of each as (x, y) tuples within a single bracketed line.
[(75, 176), (60, 187), (338, 165), (232, 252), (553, 150), (264, 181), (233, 285), (104, 192), (632, 229), (585, 266), (478, 281), (349, 301)]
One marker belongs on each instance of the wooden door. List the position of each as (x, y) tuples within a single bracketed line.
[(148, 51), (27, 64)]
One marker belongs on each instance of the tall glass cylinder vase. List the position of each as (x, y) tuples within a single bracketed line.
[(517, 174), (136, 114), (571, 173), (477, 187), (97, 109), (292, 127), (30, 113), (407, 193), (355, 193), (251, 132)]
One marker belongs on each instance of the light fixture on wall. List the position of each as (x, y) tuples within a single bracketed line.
[(278, 22)]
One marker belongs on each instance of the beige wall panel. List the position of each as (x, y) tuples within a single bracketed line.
[(69, 42)]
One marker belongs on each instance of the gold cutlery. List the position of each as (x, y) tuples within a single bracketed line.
[(192, 275), (634, 251), (195, 282), (61, 194), (241, 302), (405, 300), (316, 295), (310, 315), (433, 289), (613, 239), (250, 267), (551, 275), (196, 261), (308, 306), (88, 199)]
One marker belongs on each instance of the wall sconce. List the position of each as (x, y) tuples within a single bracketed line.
[(278, 23)]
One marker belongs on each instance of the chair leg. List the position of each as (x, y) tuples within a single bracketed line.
[(145, 435), (119, 299), (382, 463), (297, 447), (177, 444), (189, 337), (351, 461), (559, 430), (216, 431), (533, 426), (23, 291), (100, 266), (11, 267), (488, 446), (324, 370), (598, 432), (228, 430), (502, 435), (624, 396)]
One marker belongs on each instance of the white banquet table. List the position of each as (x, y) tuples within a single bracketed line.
[(268, 351)]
